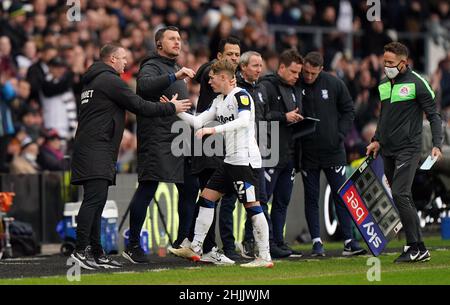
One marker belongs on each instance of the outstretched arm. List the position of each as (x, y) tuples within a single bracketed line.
[(242, 121), (200, 120)]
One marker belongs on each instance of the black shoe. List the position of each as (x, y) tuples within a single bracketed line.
[(176, 244), (247, 248), (277, 252), (352, 248), (409, 255), (285, 246), (104, 261), (135, 255), (84, 258), (232, 254), (424, 256), (317, 249)]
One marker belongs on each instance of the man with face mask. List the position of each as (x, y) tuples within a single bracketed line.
[(404, 96), (25, 163)]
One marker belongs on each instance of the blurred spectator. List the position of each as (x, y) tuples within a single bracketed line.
[(58, 100), (378, 39), (38, 71), (240, 17), (366, 100), (7, 95), (333, 41), (441, 82), (8, 67), (271, 62), (290, 40), (222, 31), (25, 162), (32, 122), (278, 14), (344, 21), (26, 58), (51, 155), (22, 89), (13, 26)]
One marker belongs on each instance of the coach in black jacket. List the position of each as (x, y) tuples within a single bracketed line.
[(326, 98), (160, 75), (284, 103), (104, 100)]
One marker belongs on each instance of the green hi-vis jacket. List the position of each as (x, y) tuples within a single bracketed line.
[(403, 102)]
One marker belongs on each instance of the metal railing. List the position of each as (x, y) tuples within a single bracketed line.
[(318, 33)]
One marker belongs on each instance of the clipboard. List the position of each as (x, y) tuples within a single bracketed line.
[(303, 127)]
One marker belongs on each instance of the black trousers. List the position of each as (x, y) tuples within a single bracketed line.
[(400, 171), (187, 196), (311, 182), (90, 215)]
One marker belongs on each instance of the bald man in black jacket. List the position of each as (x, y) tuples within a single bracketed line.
[(104, 100)]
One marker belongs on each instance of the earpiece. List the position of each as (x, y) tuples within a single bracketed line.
[(159, 45)]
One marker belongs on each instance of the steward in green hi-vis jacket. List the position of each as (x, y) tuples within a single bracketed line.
[(403, 102), (404, 97)]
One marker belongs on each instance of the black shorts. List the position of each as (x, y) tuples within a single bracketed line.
[(240, 179)]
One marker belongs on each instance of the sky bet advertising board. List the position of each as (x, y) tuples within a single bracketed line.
[(368, 198)]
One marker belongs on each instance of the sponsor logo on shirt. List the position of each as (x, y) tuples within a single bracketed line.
[(223, 119)]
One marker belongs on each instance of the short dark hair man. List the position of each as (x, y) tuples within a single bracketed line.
[(203, 166), (160, 75), (104, 99), (327, 98), (284, 105), (404, 97)]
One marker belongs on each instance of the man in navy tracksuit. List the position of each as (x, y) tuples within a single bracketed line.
[(325, 97), (284, 104)]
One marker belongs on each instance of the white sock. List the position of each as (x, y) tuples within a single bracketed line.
[(317, 240), (347, 241), (202, 224), (261, 234)]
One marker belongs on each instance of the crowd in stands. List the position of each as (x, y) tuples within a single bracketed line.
[(44, 52)]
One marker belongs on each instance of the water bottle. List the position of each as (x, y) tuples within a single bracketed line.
[(8, 246), (162, 247)]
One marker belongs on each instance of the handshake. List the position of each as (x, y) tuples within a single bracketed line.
[(180, 105)]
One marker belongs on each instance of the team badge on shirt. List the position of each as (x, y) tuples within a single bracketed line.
[(404, 91), (244, 100)]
